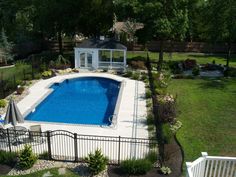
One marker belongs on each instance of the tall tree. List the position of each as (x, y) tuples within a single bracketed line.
[(220, 19), (164, 20), (6, 47)]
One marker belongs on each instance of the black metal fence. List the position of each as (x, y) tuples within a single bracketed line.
[(66, 146)]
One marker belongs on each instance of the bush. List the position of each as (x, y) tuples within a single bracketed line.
[(26, 158), (231, 72), (96, 162), (148, 93), (47, 74), (128, 74), (150, 119), (175, 127), (136, 167), (166, 170), (167, 133), (135, 76), (138, 65), (144, 77), (196, 71), (44, 155), (8, 158), (152, 156), (166, 108), (20, 90), (3, 103)]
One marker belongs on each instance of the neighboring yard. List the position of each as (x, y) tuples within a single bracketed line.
[(17, 71), (200, 57), (207, 109)]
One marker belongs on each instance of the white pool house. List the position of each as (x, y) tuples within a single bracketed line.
[(100, 54)]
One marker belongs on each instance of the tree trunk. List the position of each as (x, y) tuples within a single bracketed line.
[(60, 41), (228, 55), (161, 53)]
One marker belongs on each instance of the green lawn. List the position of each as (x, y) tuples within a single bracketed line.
[(7, 73), (207, 109), (54, 172), (200, 57)]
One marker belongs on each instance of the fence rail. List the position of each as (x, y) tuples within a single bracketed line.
[(212, 166), (66, 146)]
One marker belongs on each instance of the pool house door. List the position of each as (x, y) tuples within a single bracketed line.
[(86, 60)]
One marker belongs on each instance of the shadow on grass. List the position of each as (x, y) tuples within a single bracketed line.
[(220, 84), (216, 56)]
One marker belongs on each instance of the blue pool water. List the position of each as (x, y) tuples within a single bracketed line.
[(85, 100)]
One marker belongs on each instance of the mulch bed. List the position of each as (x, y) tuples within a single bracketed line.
[(173, 160), (4, 169)]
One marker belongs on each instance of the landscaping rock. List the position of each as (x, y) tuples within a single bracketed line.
[(61, 171)]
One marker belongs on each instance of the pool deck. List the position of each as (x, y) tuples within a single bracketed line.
[(131, 118)]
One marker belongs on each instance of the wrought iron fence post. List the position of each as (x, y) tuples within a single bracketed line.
[(76, 147), (8, 139), (32, 72), (14, 80), (24, 74), (49, 145), (119, 152)]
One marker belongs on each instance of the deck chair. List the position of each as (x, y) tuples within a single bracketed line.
[(35, 134)]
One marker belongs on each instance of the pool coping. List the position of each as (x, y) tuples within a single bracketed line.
[(124, 112)]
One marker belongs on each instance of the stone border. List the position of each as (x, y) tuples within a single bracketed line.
[(9, 66)]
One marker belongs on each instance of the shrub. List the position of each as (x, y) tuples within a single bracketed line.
[(61, 63), (3, 103), (148, 93), (136, 167), (37, 76), (96, 162), (175, 127), (20, 82), (8, 158), (152, 156), (166, 170), (144, 77), (135, 76), (166, 108), (128, 74), (47, 74), (150, 119), (26, 158), (196, 71), (44, 155), (138, 65), (167, 133), (20, 90), (231, 72)]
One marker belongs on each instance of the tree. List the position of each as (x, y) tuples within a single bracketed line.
[(6, 47), (221, 24), (164, 20)]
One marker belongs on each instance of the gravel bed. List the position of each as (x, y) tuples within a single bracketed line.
[(79, 168)]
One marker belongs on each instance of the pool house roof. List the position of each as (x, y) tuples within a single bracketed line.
[(101, 44)]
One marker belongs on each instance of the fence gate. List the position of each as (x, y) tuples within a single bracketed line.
[(63, 145)]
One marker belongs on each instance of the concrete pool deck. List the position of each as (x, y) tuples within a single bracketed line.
[(131, 118)]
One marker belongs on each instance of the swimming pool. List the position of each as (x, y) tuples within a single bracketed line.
[(83, 100)]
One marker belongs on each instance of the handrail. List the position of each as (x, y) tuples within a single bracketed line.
[(208, 165)]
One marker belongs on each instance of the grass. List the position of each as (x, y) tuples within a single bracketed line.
[(200, 57), (53, 171), (207, 109), (8, 73)]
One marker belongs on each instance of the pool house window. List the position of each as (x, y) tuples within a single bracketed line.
[(112, 59)]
